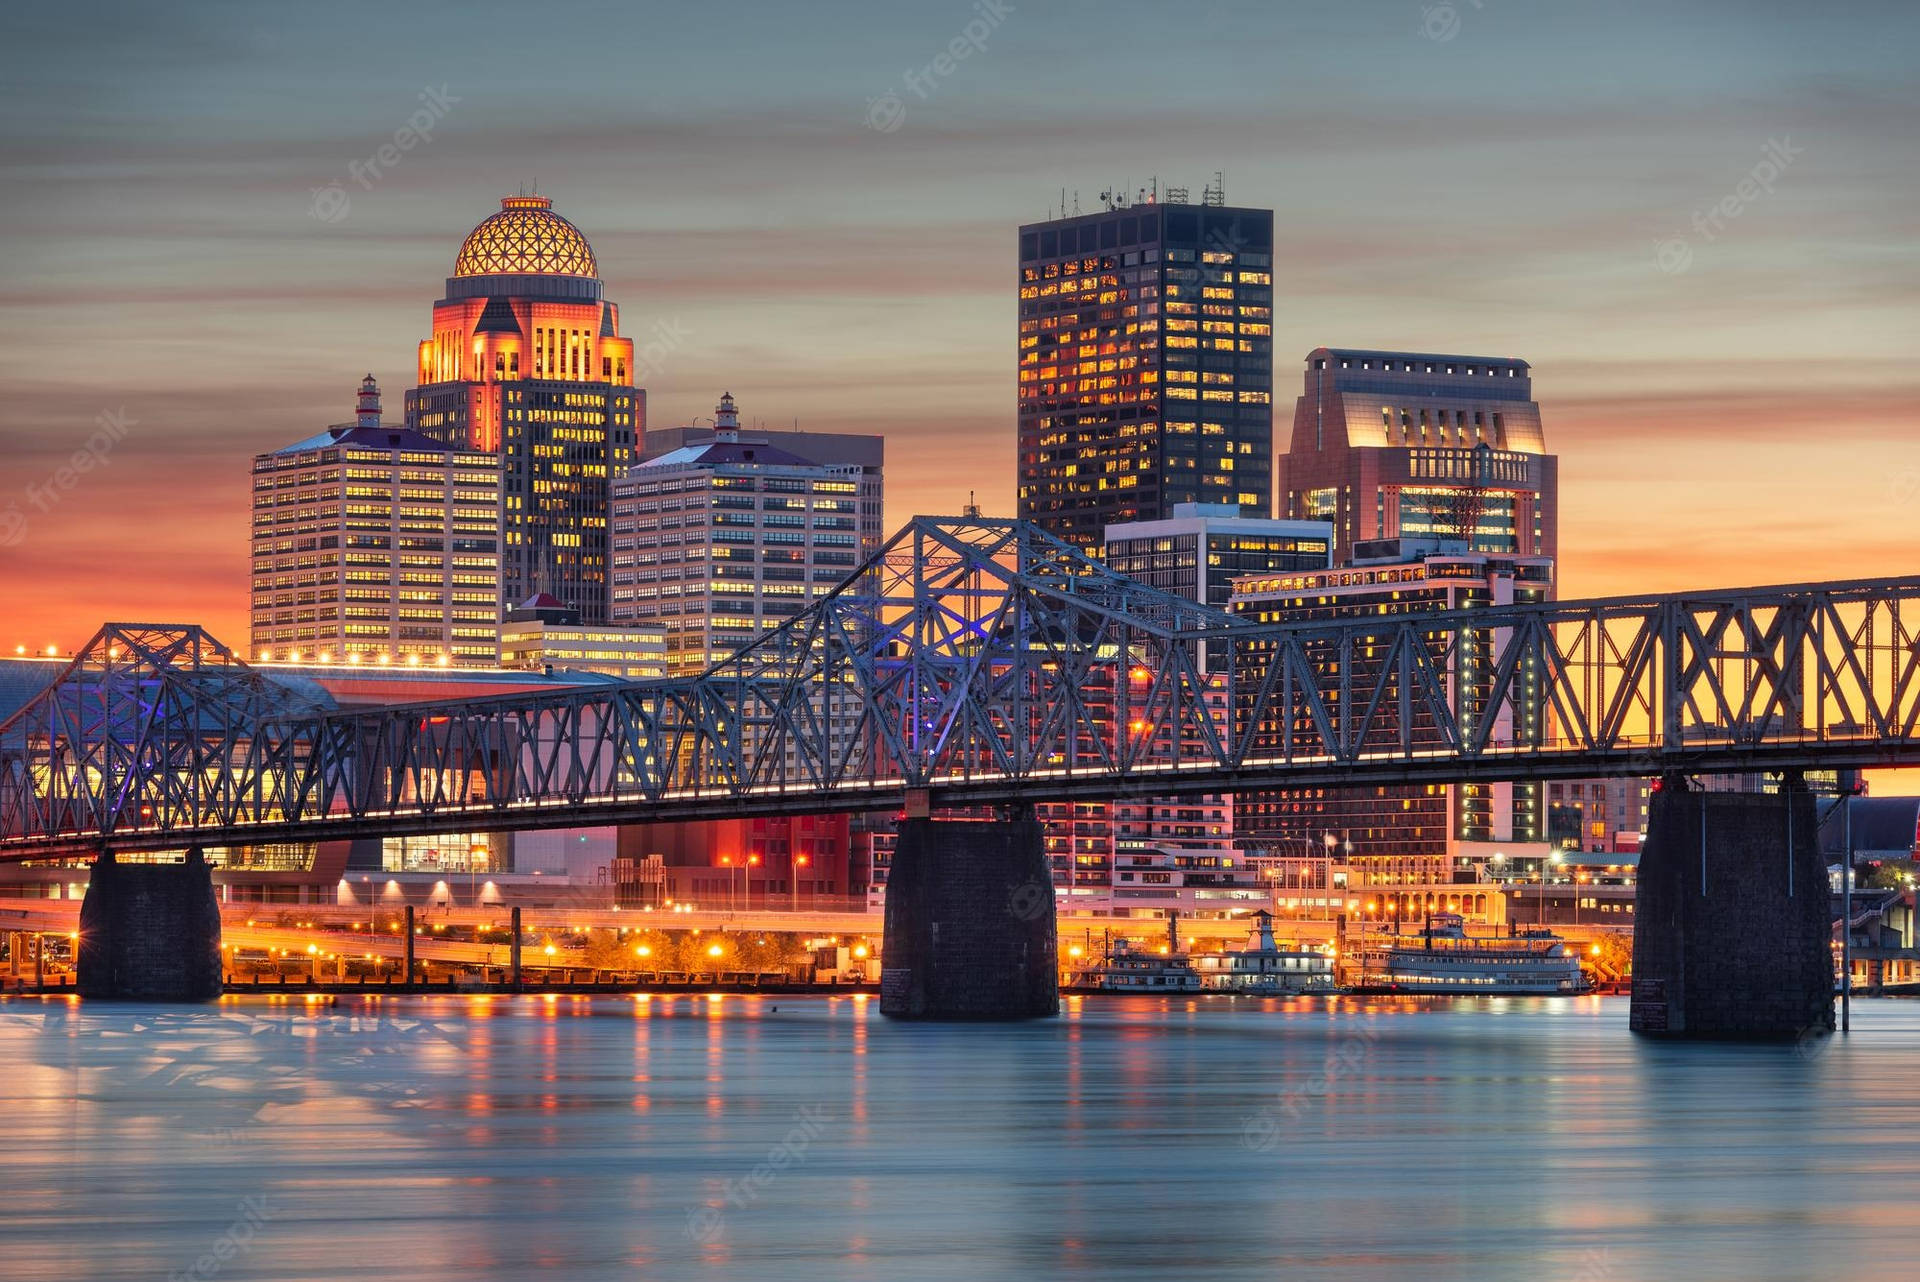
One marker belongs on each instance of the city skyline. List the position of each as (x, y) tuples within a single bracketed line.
[(1769, 362), (1012, 638)]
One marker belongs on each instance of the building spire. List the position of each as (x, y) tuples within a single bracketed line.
[(726, 419), (367, 411)]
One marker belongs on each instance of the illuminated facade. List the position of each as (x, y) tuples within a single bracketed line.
[(1146, 365), (541, 634), (1393, 444), (526, 362), (859, 450), (1199, 549), (375, 544), (718, 542), (1156, 846), (1394, 834)]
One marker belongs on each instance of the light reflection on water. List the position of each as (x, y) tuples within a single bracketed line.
[(480, 1138)]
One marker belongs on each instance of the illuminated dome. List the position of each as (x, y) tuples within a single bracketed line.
[(526, 238)]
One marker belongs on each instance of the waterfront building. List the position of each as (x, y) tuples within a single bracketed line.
[(544, 634), (1412, 840), (375, 543), (1415, 445), (526, 362), (1145, 363), (1163, 852), (719, 541), (770, 862), (1599, 816)]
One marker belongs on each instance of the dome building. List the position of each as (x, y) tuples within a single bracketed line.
[(525, 361)]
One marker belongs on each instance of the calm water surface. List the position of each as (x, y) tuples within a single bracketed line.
[(688, 1138)]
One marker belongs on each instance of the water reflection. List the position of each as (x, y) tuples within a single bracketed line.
[(682, 1136)]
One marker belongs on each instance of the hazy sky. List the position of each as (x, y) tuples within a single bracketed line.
[(1730, 379)]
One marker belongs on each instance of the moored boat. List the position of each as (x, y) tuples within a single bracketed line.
[(1444, 960), (1264, 968)]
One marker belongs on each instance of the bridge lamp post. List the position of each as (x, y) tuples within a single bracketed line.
[(753, 861)]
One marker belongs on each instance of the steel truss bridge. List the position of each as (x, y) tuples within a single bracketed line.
[(973, 662)]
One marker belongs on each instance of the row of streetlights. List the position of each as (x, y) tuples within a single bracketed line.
[(353, 657)]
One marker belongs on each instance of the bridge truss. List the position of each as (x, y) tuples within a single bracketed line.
[(973, 662)]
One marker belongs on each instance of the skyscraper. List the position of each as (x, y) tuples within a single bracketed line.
[(1146, 365), (373, 542), (526, 362), (1391, 444), (721, 540)]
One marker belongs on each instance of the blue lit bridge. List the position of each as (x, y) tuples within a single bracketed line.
[(977, 662), (982, 663)]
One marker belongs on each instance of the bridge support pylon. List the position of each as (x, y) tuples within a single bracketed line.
[(970, 922), (150, 932), (1733, 925)]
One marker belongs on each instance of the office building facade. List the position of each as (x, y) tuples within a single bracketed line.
[(542, 634), (1145, 365), (374, 543), (526, 362), (1390, 445), (718, 542), (864, 451), (1396, 835)]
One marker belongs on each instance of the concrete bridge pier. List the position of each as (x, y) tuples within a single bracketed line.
[(1733, 927), (970, 922), (150, 932)]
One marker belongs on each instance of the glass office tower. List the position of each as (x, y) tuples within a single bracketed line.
[(1146, 365)]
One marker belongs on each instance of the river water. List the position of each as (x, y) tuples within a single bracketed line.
[(478, 1138)]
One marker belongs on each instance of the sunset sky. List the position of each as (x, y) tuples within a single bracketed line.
[(1500, 177)]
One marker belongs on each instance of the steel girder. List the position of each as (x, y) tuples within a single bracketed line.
[(979, 660)]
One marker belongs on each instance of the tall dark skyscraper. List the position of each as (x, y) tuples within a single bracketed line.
[(1146, 364)]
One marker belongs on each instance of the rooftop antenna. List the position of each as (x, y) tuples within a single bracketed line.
[(1215, 193)]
